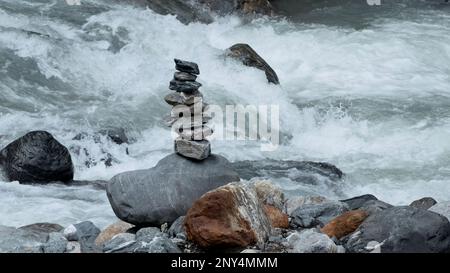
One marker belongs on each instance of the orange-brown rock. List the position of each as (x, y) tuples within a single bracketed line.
[(345, 223), (230, 216), (277, 218), (111, 231)]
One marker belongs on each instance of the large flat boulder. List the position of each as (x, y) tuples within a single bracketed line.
[(164, 193)]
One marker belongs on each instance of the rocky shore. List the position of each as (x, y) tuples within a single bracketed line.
[(194, 201), (184, 205)]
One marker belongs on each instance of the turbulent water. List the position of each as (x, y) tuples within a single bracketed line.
[(364, 88)]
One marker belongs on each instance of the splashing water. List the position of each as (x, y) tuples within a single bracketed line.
[(371, 98)]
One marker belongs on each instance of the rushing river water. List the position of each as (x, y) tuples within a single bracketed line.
[(364, 88)]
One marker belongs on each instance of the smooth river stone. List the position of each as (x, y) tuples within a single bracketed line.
[(183, 76), (180, 98), (185, 66), (199, 150), (186, 87)]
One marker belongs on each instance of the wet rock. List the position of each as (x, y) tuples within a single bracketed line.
[(304, 172), (249, 57), (37, 158), (188, 67), (344, 224), (183, 76), (424, 203), (185, 11), (311, 241), (359, 201), (185, 87), (111, 231), (147, 240), (56, 243), (312, 215), (229, 216), (443, 208), (402, 230), (117, 135), (277, 218), (198, 150), (162, 194)]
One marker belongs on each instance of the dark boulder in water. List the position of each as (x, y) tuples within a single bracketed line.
[(165, 192), (424, 203), (249, 57), (37, 158)]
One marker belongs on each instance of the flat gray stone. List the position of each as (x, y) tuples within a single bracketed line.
[(198, 150), (185, 66), (177, 98), (312, 215)]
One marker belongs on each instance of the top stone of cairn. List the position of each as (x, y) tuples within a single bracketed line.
[(188, 67)]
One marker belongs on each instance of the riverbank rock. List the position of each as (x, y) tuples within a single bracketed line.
[(344, 224), (402, 230), (311, 241), (443, 208), (22, 240), (56, 243), (162, 194), (37, 158), (277, 218), (146, 240), (312, 215), (84, 233), (248, 56), (230, 216), (111, 231), (423, 203), (368, 203)]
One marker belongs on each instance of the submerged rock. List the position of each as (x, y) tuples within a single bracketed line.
[(402, 230), (305, 172), (230, 216), (424, 203), (162, 194), (37, 158), (249, 57)]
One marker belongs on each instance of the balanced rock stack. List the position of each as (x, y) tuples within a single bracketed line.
[(188, 118)]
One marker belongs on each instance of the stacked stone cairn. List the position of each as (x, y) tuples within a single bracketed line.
[(189, 113)]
